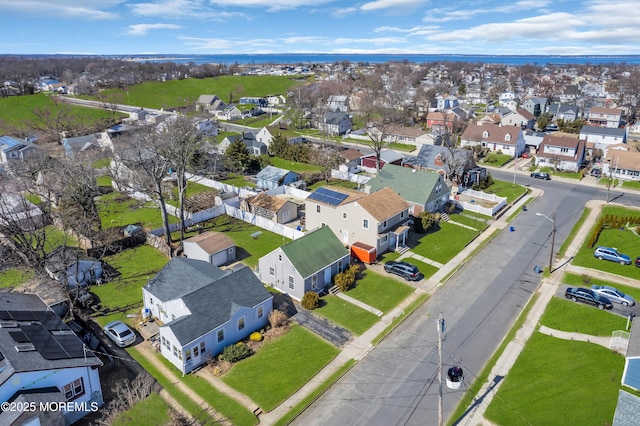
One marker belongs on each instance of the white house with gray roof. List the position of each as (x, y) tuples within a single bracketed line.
[(204, 309), (43, 361), (14, 149), (603, 137)]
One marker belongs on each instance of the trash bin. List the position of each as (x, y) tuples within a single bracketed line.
[(511, 229), (524, 208), (537, 269)]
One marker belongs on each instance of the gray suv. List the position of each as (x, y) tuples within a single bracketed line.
[(404, 269)]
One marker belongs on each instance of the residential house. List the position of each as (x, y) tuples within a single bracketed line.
[(204, 309), (279, 210), (627, 409), (374, 219), (255, 147), (423, 190), (444, 103), (213, 247), (435, 158), (561, 152), (276, 100), (210, 103), (605, 117), (507, 139), (535, 106), (73, 266), (206, 127), (334, 123), (20, 213), (437, 120), (15, 149), (81, 146), (564, 112), (409, 135), (509, 100), (351, 158), (622, 165), (603, 137), (272, 177), (521, 117), (533, 139), (338, 103), (387, 156), (228, 113), (43, 361), (306, 264)]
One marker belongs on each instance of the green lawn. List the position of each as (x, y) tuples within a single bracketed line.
[(472, 220), (444, 241), (15, 276), (104, 180), (294, 166), (345, 314), (632, 184), (381, 292), (563, 314), (124, 295), (238, 181), (281, 367), (426, 269), (506, 189), (333, 182), (258, 122), (55, 238), (559, 382), (193, 188), (151, 411), (117, 209)]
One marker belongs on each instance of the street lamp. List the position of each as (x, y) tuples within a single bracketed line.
[(553, 236)]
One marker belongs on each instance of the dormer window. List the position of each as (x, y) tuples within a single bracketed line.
[(507, 137), (485, 134)]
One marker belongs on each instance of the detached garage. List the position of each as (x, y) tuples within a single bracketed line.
[(212, 247)]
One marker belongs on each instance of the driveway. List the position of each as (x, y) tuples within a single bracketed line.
[(324, 328)]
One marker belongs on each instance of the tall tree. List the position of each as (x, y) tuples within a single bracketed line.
[(238, 154)]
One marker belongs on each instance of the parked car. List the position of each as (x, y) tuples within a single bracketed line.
[(541, 175), (637, 262), (525, 155), (120, 333), (613, 294), (404, 269), (584, 295), (611, 254), (596, 173)]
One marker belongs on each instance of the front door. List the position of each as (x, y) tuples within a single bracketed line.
[(327, 275)]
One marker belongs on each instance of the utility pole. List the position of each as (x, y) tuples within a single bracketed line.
[(553, 237), (440, 332)]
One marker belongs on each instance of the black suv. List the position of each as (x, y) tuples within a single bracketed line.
[(541, 175), (585, 295), (406, 270)]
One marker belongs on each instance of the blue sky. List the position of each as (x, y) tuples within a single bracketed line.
[(545, 27)]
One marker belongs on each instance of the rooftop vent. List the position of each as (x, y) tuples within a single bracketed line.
[(25, 347)]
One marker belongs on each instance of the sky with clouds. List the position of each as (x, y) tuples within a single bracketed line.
[(541, 27)]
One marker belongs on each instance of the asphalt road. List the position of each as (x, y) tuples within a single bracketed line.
[(396, 384)]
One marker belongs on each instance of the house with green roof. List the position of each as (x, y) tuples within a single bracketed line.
[(308, 263), (423, 190)]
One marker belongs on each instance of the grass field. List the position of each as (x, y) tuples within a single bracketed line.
[(117, 209), (15, 276), (381, 292), (563, 314), (268, 380), (178, 93), (17, 112), (345, 314), (294, 166), (151, 411), (444, 241), (559, 382)]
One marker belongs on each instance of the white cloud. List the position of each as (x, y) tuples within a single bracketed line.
[(451, 14), (62, 8), (143, 29), (181, 9), (419, 30), (388, 4), (270, 5)]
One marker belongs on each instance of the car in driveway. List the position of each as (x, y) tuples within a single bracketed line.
[(120, 333), (613, 294), (590, 297), (611, 254), (404, 269), (637, 263), (541, 175)]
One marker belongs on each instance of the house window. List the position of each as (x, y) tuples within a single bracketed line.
[(230, 251), (202, 347), (163, 341), (272, 271), (401, 214), (485, 134), (220, 335), (317, 209), (383, 239), (291, 286), (340, 265), (195, 351), (260, 311), (175, 351), (314, 282), (279, 258), (240, 323), (365, 223), (384, 224), (344, 215), (74, 389), (507, 137), (188, 355)]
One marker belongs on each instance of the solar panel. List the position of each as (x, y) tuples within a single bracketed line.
[(45, 343), (71, 344), (4, 316), (328, 196), (19, 337)]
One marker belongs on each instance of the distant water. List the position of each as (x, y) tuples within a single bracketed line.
[(315, 58)]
